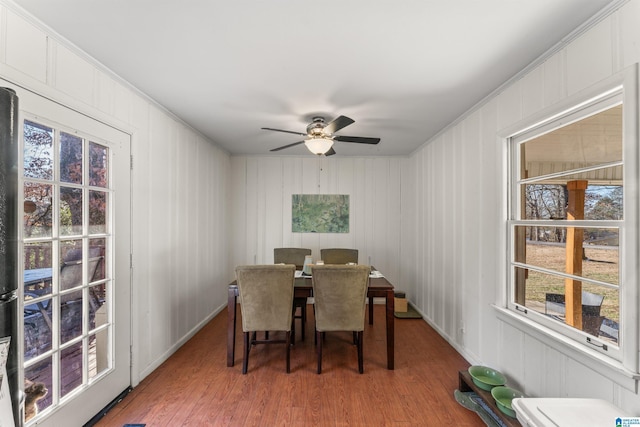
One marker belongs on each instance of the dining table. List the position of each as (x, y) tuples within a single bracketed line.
[(378, 287)]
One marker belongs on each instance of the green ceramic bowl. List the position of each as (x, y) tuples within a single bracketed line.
[(503, 397), (486, 378)]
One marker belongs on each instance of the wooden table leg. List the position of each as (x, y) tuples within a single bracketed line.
[(390, 308), (231, 326), (371, 310)]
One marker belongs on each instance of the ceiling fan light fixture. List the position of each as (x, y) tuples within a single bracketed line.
[(319, 145)]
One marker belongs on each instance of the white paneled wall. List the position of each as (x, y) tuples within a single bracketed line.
[(380, 194), (179, 188), (459, 233)]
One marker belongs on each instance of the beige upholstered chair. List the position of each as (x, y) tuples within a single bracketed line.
[(293, 256), (339, 256), (339, 292), (296, 257), (266, 297)]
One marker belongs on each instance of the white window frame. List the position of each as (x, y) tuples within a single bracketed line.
[(619, 363)]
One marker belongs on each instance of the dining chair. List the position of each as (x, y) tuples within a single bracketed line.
[(266, 296), (339, 296), (293, 256), (71, 277), (72, 267), (339, 256), (296, 257)]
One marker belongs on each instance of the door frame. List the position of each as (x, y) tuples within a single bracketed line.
[(77, 408)]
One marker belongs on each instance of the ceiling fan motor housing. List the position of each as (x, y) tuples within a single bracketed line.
[(316, 127)]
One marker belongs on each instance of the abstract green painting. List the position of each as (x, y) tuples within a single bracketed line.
[(320, 213)]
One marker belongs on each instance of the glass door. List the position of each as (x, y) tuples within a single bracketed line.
[(75, 250)]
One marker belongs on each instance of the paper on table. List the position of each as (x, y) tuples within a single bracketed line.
[(298, 273), (375, 274)]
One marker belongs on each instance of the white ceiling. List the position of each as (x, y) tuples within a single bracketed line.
[(401, 69)]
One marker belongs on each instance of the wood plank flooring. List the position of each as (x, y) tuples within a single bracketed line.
[(195, 387)]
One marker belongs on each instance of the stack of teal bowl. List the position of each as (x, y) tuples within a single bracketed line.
[(489, 379)]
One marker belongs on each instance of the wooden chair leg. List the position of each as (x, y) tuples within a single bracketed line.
[(316, 336), (245, 358), (288, 345), (319, 350), (360, 356)]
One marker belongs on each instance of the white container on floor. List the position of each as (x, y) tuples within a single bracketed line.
[(566, 412)]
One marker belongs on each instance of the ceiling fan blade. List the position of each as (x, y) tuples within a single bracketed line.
[(337, 124), (356, 139), (286, 131), (287, 146), (331, 152)]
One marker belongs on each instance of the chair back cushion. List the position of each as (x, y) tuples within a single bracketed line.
[(339, 256), (293, 256), (266, 296), (71, 272), (339, 292)]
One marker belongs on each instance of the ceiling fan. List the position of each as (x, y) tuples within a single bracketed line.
[(320, 136)]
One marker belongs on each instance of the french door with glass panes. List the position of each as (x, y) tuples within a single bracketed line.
[(75, 247)]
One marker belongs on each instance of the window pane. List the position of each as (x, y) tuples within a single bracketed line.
[(546, 248), (38, 151), (546, 200), (97, 264), (604, 202), (70, 316), (70, 158), (37, 269), (71, 365), (38, 207), (98, 165), (98, 353), (71, 268), (592, 141), (70, 211), (97, 212), (97, 306), (37, 327), (545, 293), (38, 381)]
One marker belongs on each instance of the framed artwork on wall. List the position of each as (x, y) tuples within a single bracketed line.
[(320, 213)]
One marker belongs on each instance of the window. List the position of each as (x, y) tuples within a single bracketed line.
[(66, 239), (75, 250), (572, 222)]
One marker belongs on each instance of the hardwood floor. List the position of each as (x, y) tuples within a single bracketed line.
[(195, 387)]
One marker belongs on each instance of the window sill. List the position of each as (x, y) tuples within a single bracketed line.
[(612, 369)]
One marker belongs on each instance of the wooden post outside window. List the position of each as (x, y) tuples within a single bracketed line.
[(575, 239)]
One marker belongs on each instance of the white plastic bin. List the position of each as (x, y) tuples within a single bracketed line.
[(566, 412)]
